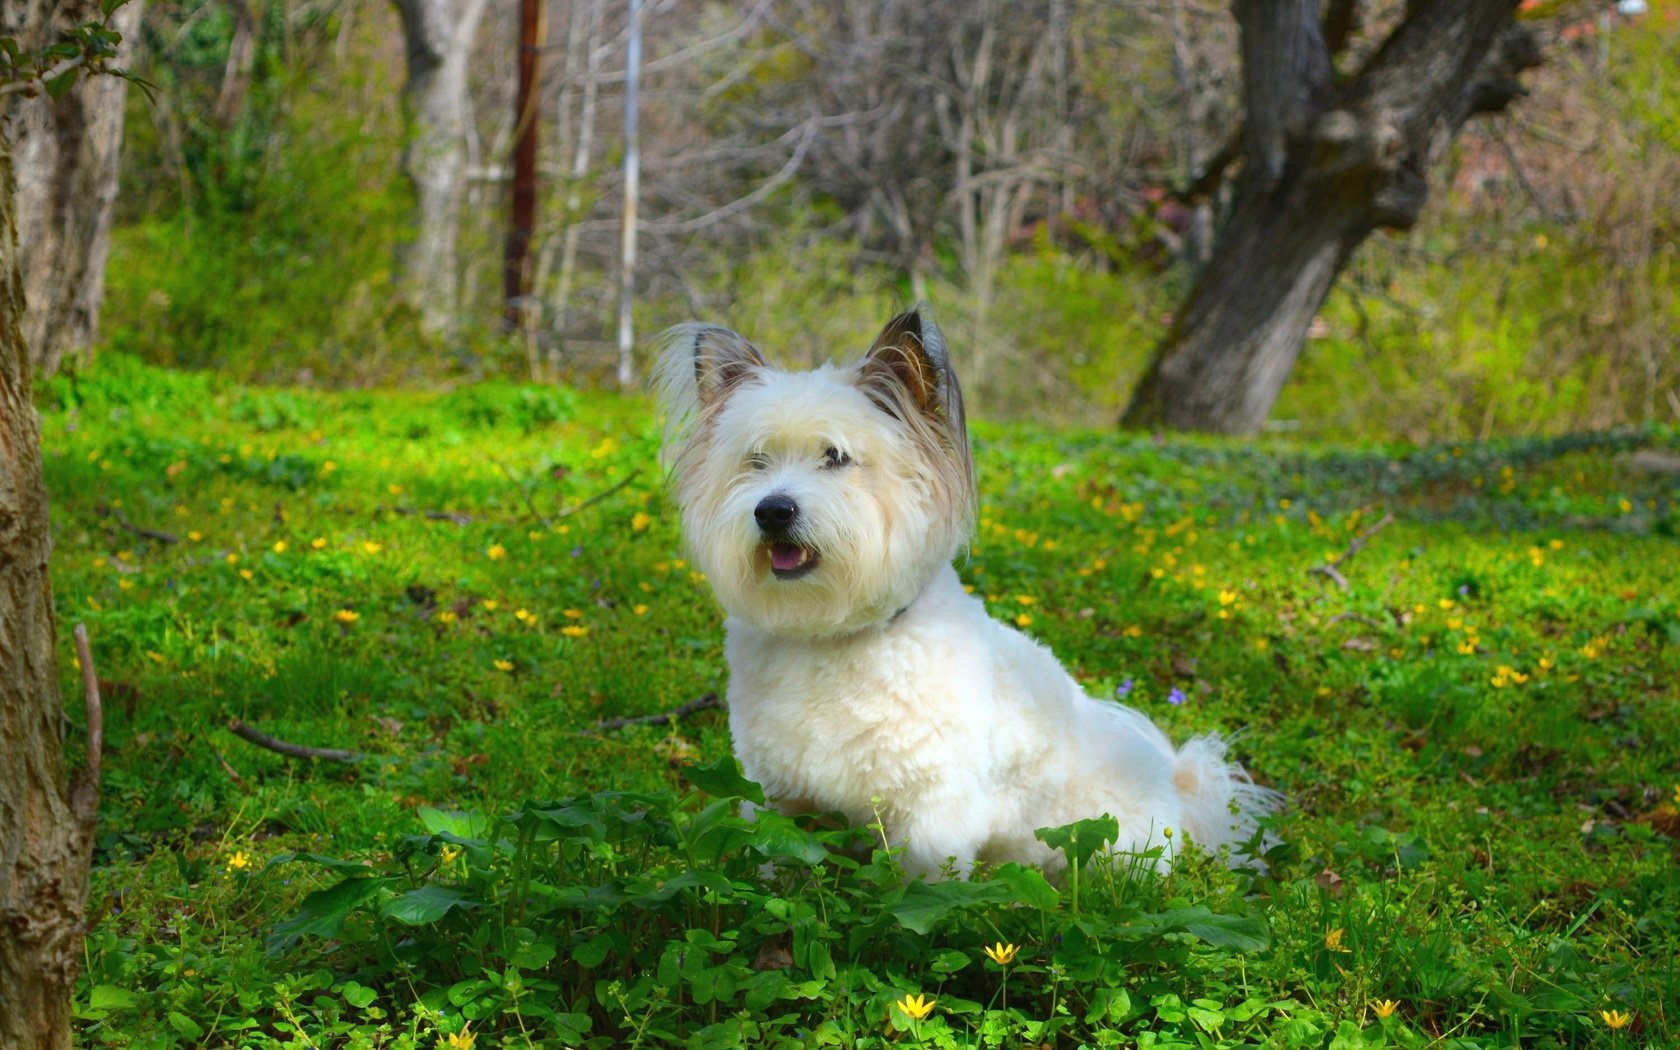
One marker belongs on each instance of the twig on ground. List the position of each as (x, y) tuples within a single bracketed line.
[(1368, 621), (227, 767), (261, 739), (84, 790), (139, 530), (599, 496), (524, 492), (1332, 569), (702, 703), (453, 516)]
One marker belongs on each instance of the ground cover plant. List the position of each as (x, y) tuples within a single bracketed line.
[(1478, 734)]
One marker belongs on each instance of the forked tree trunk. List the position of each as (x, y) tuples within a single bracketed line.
[(45, 829), (1324, 163), (66, 154), (439, 37)]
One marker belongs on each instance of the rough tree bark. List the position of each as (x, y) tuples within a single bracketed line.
[(1325, 161), (46, 829), (439, 36), (66, 152)]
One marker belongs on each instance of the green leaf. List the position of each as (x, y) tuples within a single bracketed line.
[(60, 85), (925, 904), (358, 995), (1029, 886), (1081, 838), (184, 1026), (426, 905), (723, 778), (324, 911), (1237, 932), (776, 836), (455, 822), (105, 999)]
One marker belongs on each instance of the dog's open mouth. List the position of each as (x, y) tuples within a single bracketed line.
[(789, 561)]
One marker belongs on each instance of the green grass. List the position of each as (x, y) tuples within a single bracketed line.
[(1480, 739)]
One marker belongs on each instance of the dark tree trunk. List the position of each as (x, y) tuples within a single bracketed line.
[(45, 829), (66, 152), (1324, 163)]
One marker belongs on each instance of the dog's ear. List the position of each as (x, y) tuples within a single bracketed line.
[(721, 359), (911, 350)]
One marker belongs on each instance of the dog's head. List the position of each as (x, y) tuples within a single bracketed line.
[(819, 502)]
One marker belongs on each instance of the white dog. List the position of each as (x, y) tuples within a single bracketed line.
[(825, 507)]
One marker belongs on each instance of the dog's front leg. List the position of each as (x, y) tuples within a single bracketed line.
[(942, 835)]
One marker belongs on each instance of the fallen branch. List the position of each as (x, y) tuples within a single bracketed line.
[(524, 493), (1331, 568), (703, 703), (139, 530), (599, 496), (261, 739), (84, 789)]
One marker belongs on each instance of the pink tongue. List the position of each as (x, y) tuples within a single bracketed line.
[(786, 556)]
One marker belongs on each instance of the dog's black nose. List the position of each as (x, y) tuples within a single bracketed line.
[(776, 513)]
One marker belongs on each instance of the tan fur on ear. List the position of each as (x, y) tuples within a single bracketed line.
[(907, 373)]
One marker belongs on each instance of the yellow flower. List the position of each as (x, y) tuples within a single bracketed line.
[(525, 616), (462, 1040), (490, 604), (504, 665), (1227, 597), (1466, 647), (1261, 644), (195, 535), (246, 574), (572, 630), (1002, 954), (640, 610), (347, 616), (445, 616), (571, 614), (1446, 603), (448, 854), (1133, 631), (279, 546), (1384, 1008), (916, 1006), (1677, 794), (319, 543), (640, 521), (1333, 941), (497, 552), (1026, 599), (240, 861), (1023, 620), (233, 559), (1616, 1018), (371, 547)]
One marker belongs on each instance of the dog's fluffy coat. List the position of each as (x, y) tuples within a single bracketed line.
[(825, 507)]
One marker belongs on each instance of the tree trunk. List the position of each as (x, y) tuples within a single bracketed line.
[(66, 153), (439, 36), (46, 832), (1324, 164)]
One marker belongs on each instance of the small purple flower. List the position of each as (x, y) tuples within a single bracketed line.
[(1123, 690), (1175, 697), (1464, 590)]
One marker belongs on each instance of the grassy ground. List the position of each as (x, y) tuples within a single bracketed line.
[(1478, 735)]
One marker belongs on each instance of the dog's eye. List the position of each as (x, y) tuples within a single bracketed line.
[(835, 458), (758, 461)]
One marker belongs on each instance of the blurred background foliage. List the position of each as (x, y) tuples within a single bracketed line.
[(802, 177)]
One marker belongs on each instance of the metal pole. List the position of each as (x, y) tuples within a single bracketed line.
[(632, 185)]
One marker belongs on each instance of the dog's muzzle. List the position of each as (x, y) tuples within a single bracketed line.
[(778, 520)]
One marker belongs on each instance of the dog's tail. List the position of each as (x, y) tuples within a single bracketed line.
[(1222, 803)]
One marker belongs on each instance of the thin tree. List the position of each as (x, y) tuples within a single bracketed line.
[(438, 35), (516, 264), (1325, 160)]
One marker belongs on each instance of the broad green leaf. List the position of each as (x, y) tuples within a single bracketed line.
[(426, 905), (723, 778)]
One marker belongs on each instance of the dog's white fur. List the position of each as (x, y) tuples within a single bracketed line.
[(869, 682)]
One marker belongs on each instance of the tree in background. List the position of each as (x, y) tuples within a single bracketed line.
[(65, 150), (46, 825), (1325, 160), (439, 38)]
